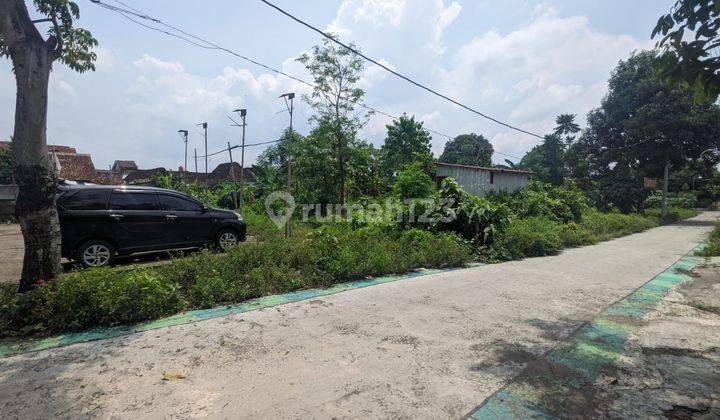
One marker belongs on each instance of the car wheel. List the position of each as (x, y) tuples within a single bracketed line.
[(227, 238), (96, 253)]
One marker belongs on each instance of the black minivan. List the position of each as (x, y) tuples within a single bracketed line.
[(99, 222)]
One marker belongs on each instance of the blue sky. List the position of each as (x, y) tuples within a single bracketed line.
[(519, 61)]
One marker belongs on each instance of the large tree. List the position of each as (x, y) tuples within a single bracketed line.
[(645, 126), (546, 160), (690, 43), (336, 100), (32, 56), (406, 142), (468, 149)]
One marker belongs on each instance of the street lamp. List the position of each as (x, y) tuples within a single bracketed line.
[(184, 135)]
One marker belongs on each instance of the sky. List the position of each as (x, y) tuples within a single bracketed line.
[(520, 61)]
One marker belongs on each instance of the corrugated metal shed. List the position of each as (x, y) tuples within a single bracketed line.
[(478, 180)]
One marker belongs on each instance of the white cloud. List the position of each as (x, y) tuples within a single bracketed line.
[(548, 66), (444, 19), (132, 108)]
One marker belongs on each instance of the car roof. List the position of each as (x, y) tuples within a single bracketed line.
[(138, 188)]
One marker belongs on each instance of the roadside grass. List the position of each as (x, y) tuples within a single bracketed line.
[(538, 236), (271, 265), (712, 248)]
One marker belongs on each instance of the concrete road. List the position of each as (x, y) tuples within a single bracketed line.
[(428, 347)]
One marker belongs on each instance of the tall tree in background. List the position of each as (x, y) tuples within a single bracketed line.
[(468, 149), (546, 160), (32, 57), (336, 99), (645, 126), (566, 126), (406, 142), (691, 59), (5, 166)]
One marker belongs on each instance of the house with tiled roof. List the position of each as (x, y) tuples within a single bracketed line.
[(222, 173), (69, 165)]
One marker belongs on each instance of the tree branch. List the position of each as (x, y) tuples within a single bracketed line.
[(55, 42)]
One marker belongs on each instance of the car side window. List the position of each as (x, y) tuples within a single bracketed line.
[(175, 203), (91, 199), (133, 200)]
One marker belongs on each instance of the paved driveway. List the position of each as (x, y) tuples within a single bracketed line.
[(428, 347)]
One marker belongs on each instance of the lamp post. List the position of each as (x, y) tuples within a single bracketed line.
[(243, 114), (204, 126), (184, 135)]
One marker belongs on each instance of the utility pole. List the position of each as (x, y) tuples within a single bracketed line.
[(289, 104), (195, 149), (184, 135), (204, 126), (243, 113), (232, 174)]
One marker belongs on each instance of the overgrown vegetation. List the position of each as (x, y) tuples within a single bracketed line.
[(331, 254)]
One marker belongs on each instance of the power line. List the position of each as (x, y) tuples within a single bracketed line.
[(400, 75), (212, 46)]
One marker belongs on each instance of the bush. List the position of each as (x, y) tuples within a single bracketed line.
[(475, 219), (686, 200), (104, 297), (574, 235), (413, 182), (560, 203), (606, 226), (531, 237)]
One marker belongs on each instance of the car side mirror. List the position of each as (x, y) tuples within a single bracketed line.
[(205, 208)]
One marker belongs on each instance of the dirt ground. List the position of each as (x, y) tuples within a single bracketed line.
[(429, 347), (11, 252), (672, 369)]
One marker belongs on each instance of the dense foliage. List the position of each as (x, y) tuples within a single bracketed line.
[(468, 149), (693, 60)]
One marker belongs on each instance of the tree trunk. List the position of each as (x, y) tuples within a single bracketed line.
[(35, 208), (666, 173)]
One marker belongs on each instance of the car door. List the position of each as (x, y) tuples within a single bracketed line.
[(83, 215), (188, 223), (139, 223)]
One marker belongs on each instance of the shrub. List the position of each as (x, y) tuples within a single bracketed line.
[(559, 203), (574, 235), (606, 226), (104, 297), (531, 237), (686, 200), (474, 218), (413, 182)]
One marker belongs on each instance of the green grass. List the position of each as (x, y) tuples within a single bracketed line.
[(712, 249), (539, 236), (270, 264)]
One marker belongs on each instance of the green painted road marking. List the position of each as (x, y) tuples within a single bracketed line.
[(12, 347), (595, 346)]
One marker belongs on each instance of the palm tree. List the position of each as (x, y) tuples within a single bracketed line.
[(566, 126)]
